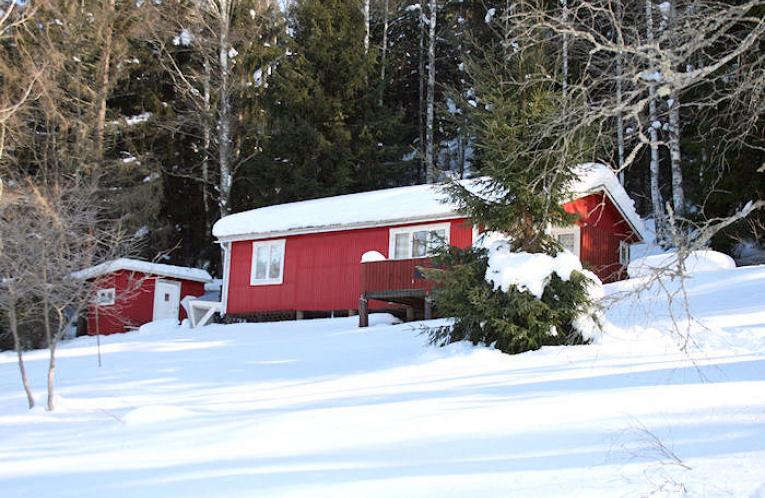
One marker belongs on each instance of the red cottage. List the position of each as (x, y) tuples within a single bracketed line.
[(339, 253), (131, 293)]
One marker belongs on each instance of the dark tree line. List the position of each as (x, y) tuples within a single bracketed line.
[(185, 110)]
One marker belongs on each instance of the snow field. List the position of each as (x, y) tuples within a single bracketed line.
[(320, 408)]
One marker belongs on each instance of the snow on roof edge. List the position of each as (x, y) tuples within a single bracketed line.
[(598, 176), (136, 265), (396, 205)]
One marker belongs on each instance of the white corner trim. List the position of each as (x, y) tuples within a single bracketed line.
[(226, 246)]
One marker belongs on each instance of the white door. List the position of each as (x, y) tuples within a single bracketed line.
[(167, 299)]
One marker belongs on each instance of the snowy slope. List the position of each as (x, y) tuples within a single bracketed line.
[(324, 409)]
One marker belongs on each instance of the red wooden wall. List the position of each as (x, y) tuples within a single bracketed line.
[(602, 228), (133, 306), (322, 271)]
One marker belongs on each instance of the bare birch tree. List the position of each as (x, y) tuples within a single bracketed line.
[(697, 61), (67, 234), (212, 34), (654, 125), (15, 269), (430, 166), (384, 47), (366, 25)]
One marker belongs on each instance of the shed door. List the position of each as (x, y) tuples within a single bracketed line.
[(167, 299)]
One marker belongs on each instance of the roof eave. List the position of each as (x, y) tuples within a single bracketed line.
[(337, 228), (603, 188)]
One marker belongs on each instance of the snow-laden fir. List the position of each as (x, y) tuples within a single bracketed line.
[(321, 408)]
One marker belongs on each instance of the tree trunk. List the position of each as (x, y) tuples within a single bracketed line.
[(564, 18), (13, 324), (678, 194), (619, 100), (421, 88), (51, 347), (52, 376), (366, 26), (430, 167), (103, 90), (653, 133), (224, 114), (206, 142), (384, 51)]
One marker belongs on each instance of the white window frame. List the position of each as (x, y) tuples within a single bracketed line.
[(410, 230), (254, 260), (571, 229), (105, 297), (624, 253)]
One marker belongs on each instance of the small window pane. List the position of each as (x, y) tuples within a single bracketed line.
[(419, 244), (568, 241), (262, 263), (401, 249), (275, 268), (437, 240), (624, 253)]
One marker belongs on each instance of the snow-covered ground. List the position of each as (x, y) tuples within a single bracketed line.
[(323, 409)]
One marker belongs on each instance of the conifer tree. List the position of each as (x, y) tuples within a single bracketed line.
[(526, 184), (328, 132), (519, 195)]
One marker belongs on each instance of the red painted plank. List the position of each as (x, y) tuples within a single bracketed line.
[(322, 271), (602, 228), (134, 301)]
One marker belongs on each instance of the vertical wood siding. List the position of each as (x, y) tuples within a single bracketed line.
[(602, 228), (133, 306), (322, 271)]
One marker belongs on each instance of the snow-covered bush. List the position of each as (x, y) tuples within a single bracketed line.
[(514, 301)]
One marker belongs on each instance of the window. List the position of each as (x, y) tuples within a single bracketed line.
[(417, 241), (267, 262), (568, 237), (624, 253), (105, 297)]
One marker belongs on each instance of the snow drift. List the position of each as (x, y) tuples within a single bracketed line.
[(697, 261)]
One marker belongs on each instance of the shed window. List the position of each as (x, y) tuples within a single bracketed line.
[(105, 297), (417, 241), (569, 238), (624, 253), (267, 262)]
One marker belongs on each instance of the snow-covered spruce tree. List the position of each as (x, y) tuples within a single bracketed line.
[(520, 197), (513, 320)]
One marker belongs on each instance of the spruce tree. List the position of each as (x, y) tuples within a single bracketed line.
[(519, 195), (328, 132)]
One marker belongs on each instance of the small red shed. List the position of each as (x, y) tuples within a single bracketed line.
[(307, 256), (130, 293)]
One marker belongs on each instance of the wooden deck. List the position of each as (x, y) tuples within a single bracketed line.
[(397, 281)]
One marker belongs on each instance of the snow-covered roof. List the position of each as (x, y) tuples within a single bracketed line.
[(596, 177), (136, 265), (379, 207), (389, 207)]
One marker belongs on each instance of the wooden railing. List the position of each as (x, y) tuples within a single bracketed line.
[(394, 275)]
